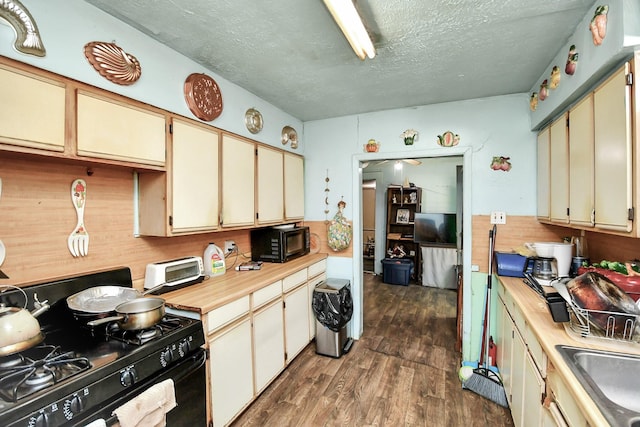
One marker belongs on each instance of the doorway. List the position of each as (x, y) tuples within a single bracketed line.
[(360, 161), (368, 225)]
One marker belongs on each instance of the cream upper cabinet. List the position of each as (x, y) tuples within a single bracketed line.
[(194, 171), (270, 178), (184, 199), (35, 117), (559, 170), (543, 194), (110, 129), (238, 182), (581, 158), (613, 152), (293, 186)]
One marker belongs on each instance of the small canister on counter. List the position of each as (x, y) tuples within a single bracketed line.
[(576, 263)]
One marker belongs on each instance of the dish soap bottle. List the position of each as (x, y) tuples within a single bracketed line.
[(213, 261)]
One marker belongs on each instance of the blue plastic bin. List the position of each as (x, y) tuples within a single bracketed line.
[(397, 271)]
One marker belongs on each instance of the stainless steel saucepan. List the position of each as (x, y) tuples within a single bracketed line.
[(139, 313), (101, 301)]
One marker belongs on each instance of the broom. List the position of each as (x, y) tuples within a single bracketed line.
[(484, 381)]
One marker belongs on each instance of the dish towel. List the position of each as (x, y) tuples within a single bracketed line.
[(97, 423), (148, 409)]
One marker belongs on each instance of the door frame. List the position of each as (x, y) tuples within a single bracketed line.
[(357, 322)]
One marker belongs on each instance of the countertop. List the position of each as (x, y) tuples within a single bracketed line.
[(550, 334), (217, 291)]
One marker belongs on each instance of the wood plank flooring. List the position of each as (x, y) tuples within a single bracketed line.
[(403, 371)]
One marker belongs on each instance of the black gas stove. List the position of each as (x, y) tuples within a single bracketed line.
[(77, 370)]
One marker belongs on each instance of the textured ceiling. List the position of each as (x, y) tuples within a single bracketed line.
[(293, 55)]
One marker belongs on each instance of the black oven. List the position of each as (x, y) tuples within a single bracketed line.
[(79, 374), (190, 381)]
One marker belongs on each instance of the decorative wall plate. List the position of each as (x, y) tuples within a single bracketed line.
[(113, 63), (27, 35), (203, 96), (289, 134), (253, 120)]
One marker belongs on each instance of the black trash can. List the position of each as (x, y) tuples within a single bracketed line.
[(332, 306)]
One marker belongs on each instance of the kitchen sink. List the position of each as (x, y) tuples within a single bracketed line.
[(611, 379)]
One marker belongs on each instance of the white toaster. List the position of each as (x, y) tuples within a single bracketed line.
[(174, 273)]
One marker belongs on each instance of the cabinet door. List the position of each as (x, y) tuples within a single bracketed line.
[(270, 186), (519, 351), (231, 372), (534, 387), (112, 130), (238, 182), (268, 344), (543, 175), (293, 186), (505, 344), (194, 173), (613, 170), (296, 321), (581, 160), (35, 117), (559, 170)]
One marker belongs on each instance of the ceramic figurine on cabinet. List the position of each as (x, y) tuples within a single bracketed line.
[(533, 101), (555, 77), (542, 95), (598, 24), (572, 61)]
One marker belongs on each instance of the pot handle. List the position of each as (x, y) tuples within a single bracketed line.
[(26, 298), (155, 288), (104, 320)]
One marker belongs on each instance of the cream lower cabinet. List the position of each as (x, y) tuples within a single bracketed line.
[(253, 338), (268, 344), (35, 115), (114, 130), (231, 371), (562, 406), (296, 320), (519, 358)]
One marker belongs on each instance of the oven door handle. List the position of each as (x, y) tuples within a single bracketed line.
[(199, 359)]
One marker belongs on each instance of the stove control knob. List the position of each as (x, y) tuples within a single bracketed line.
[(42, 420), (128, 377), (73, 406), (76, 405), (166, 356), (184, 347)]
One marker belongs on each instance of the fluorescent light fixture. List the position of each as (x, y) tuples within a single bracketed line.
[(346, 16)]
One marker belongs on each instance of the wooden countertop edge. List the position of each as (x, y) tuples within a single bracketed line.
[(217, 291), (549, 334)]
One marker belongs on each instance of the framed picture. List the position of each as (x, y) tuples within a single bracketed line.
[(402, 216)]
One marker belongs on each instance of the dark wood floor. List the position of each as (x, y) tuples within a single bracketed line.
[(403, 371)]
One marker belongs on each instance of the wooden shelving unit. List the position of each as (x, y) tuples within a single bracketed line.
[(402, 205)]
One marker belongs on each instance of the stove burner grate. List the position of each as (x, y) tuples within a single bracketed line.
[(35, 369), (140, 337)]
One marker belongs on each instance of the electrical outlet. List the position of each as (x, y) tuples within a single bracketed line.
[(229, 245), (498, 217)]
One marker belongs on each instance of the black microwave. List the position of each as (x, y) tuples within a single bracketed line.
[(279, 243)]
